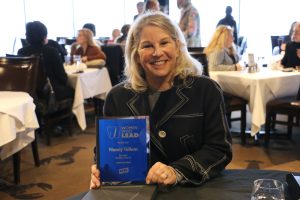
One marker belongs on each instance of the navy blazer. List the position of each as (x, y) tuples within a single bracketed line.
[(188, 126)]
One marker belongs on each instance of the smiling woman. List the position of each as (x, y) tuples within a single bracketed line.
[(190, 140)]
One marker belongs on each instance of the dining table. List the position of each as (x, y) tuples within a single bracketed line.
[(88, 83), (231, 184), (18, 122), (258, 89)]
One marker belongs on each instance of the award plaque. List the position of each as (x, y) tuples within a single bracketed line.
[(123, 149)]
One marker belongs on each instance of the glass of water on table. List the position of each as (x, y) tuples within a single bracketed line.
[(268, 189), (77, 61)]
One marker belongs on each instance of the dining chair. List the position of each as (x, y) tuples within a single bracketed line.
[(232, 103), (48, 116), (20, 74), (283, 106)]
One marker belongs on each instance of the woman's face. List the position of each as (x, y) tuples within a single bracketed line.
[(81, 39), (157, 53), (296, 34), (230, 40)]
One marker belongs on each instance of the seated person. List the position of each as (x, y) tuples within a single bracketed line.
[(51, 63), (86, 47), (190, 139), (92, 28), (221, 52), (292, 52), (282, 41), (124, 30)]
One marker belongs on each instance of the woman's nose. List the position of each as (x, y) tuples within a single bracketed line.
[(157, 51)]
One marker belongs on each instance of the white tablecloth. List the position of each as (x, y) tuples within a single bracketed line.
[(17, 122), (90, 83), (258, 89)]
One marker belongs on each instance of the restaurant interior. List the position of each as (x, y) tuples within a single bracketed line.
[(47, 147)]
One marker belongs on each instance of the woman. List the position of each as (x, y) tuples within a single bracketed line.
[(190, 140), (86, 47), (51, 63), (292, 53), (221, 51)]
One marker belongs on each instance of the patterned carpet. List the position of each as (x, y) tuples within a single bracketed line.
[(65, 168)]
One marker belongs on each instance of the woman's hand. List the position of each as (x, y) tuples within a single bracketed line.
[(95, 177), (84, 59), (161, 174)]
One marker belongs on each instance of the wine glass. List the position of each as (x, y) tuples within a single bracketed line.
[(268, 189)]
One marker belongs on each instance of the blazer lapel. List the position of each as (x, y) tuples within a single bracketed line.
[(139, 105), (170, 102)]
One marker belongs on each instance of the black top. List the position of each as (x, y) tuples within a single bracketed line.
[(229, 21), (53, 68), (196, 139), (290, 58)]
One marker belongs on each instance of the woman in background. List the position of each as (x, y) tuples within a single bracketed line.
[(86, 47), (292, 53), (221, 52)]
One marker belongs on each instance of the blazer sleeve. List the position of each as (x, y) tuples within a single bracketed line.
[(216, 152), (215, 62), (96, 53)]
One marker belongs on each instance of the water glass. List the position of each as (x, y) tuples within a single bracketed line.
[(77, 61), (268, 189)]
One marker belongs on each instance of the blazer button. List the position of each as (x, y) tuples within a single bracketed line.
[(162, 134)]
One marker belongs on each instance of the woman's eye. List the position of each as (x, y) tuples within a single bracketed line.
[(164, 43), (146, 46)]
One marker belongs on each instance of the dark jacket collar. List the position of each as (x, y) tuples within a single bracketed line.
[(169, 102)]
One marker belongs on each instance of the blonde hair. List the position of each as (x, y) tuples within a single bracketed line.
[(219, 40), (134, 72), (88, 34)]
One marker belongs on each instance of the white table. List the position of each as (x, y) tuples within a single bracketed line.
[(17, 122), (258, 89), (90, 83)]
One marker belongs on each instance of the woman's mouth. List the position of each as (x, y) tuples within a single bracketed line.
[(158, 63)]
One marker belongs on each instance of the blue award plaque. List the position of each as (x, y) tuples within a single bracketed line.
[(122, 149)]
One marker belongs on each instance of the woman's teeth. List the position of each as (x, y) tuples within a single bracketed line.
[(159, 62)]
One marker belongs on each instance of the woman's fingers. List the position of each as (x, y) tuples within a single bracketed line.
[(161, 174), (95, 177)]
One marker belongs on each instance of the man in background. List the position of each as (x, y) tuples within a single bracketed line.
[(140, 9), (189, 23), (228, 20)]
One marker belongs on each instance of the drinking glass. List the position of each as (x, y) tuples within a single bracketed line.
[(268, 189), (77, 61)]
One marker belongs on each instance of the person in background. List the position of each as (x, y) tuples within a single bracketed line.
[(151, 6), (116, 33), (140, 9), (221, 52), (228, 20), (124, 30), (92, 28), (86, 47), (61, 50), (292, 53), (281, 49), (190, 139), (189, 23), (51, 65)]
